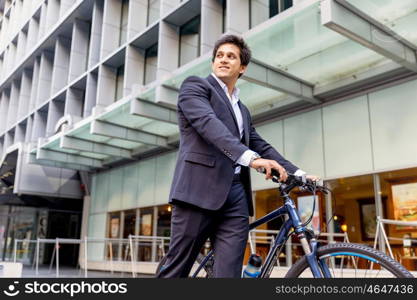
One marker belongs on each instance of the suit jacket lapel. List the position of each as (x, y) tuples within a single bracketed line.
[(245, 118), (220, 91)]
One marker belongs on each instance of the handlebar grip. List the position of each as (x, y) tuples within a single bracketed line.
[(273, 172)]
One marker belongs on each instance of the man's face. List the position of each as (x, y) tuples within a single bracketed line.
[(227, 65)]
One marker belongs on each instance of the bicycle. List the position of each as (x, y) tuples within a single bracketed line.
[(329, 261)]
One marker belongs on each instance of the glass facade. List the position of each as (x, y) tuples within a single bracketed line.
[(143, 224), (355, 203), (21, 226)]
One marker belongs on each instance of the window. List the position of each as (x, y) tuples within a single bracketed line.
[(262, 10), (224, 16), (189, 41), (113, 232), (123, 22), (153, 11), (129, 228), (277, 6), (151, 58), (146, 229), (164, 221), (120, 74)]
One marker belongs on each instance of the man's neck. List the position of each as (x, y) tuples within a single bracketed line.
[(229, 83), (230, 86)]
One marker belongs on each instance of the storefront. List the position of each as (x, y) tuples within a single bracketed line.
[(354, 209), (21, 226)]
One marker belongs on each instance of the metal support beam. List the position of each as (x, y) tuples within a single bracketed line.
[(133, 135), (273, 78), (57, 164), (72, 143), (329, 216), (68, 158), (379, 207), (346, 19), (153, 111)]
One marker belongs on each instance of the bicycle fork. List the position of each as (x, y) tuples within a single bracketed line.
[(318, 268)]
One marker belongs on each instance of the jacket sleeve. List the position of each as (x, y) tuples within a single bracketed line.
[(194, 103), (265, 150)]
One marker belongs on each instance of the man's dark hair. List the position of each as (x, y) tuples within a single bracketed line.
[(245, 53)]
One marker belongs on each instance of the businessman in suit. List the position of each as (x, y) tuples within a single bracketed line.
[(211, 190)]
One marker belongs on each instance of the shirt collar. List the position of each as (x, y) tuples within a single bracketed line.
[(236, 90)]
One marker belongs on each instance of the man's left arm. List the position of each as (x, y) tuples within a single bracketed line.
[(265, 150)]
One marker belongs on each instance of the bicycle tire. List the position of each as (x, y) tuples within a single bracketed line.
[(360, 253), (208, 268)]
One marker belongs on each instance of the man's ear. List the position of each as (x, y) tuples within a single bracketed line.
[(243, 69)]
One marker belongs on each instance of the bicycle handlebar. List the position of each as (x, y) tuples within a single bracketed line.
[(296, 181)]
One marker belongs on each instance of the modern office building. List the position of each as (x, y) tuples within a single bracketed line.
[(88, 93)]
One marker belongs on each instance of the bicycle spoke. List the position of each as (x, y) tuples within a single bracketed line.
[(356, 260)]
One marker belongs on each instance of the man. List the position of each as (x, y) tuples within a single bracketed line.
[(211, 192)]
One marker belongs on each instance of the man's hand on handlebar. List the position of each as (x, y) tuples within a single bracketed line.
[(314, 178), (266, 166)]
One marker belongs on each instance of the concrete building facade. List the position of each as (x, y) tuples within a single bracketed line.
[(88, 93)]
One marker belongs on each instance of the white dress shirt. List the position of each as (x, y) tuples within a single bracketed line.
[(244, 159)]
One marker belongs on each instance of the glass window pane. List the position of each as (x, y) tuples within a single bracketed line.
[(129, 228), (164, 226), (151, 60), (113, 232), (153, 11), (145, 229), (120, 74), (129, 223), (262, 10), (189, 41), (164, 221), (354, 207), (123, 21), (399, 188)]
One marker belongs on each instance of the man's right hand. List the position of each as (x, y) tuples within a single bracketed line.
[(268, 165)]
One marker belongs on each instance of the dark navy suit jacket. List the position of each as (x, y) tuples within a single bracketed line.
[(210, 144)]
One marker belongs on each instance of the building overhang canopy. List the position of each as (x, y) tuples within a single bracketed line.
[(296, 55), (123, 130)]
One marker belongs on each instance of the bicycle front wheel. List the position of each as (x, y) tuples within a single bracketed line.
[(351, 261)]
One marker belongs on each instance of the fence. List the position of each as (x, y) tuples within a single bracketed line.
[(127, 250), (133, 242), (381, 235), (55, 253)]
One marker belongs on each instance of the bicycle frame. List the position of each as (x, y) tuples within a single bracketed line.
[(318, 268)]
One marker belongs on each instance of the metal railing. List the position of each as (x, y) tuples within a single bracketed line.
[(381, 235), (132, 245), (136, 240)]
